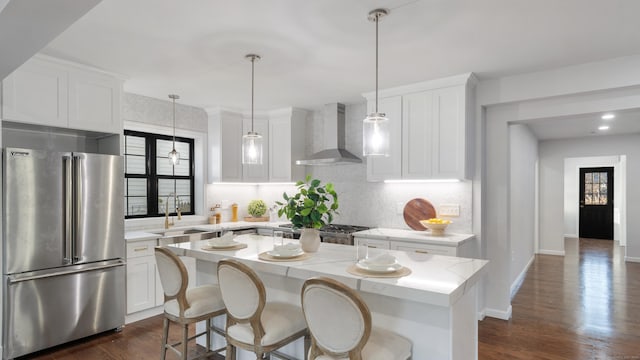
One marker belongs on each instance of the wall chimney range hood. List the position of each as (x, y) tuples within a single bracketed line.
[(334, 152)]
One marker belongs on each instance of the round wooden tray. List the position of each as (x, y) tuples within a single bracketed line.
[(416, 210)]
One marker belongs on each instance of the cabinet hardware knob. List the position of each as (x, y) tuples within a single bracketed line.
[(422, 251)]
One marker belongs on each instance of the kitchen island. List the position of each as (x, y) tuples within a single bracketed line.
[(435, 306)]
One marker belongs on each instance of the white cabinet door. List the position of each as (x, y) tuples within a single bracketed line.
[(385, 168), (258, 172), (423, 248), (36, 93), (280, 161), (448, 133), (141, 283), (417, 141), (372, 243), (94, 102), (231, 148)]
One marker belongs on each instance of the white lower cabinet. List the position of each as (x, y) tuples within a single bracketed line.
[(141, 276), (423, 248), (407, 246), (144, 288)]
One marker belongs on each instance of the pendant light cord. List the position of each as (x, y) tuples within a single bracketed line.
[(174, 123), (253, 59), (377, 18)]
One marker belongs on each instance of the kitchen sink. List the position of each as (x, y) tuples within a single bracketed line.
[(185, 235)]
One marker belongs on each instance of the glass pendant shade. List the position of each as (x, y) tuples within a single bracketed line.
[(375, 135), (252, 149), (174, 157)]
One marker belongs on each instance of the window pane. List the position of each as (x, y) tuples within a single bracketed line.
[(135, 145), (137, 187), (595, 177), (136, 164), (595, 189), (588, 199), (137, 205), (603, 177), (165, 146), (588, 178), (163, 167)]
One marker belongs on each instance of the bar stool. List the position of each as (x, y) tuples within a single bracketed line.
[(185, 306), (340, 325), (253, 324)]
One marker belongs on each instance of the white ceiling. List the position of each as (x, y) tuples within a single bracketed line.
[(317, 52), (625, 122)]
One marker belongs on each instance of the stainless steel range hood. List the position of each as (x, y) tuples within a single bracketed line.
[(334, 152)]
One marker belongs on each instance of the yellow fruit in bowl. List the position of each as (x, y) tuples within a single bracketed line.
[(436, 225)]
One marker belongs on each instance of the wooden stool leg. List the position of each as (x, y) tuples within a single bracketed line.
[(165, 336), (185, 337), (231, 352), (209, 334)]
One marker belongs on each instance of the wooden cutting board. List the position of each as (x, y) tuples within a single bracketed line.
[(416, 210)]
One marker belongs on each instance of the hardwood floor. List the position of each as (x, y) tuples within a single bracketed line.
[(585, 305)]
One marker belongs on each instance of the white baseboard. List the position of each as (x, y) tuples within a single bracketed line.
[(141, 315), (632, 259), (499, 314), (481, 315), (521, 276), (551, 252), (571, 235)]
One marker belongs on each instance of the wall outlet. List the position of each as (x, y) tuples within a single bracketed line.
[(449, 210)]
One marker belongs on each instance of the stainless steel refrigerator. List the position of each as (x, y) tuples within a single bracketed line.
[(63, 248)]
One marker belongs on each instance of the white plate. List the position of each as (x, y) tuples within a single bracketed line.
[(224, 246), (285, 256), (378, 268)]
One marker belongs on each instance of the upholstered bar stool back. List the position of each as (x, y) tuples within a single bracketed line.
[(340, 325), (185, 306), (253, 323)]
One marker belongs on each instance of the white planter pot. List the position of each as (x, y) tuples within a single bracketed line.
[(310, 240)]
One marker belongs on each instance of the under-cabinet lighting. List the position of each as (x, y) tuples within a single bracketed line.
[(421, 181), (608, 116), (603, 127), (253, 184)]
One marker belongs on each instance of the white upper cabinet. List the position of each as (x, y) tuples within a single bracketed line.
[(94, 102), (50, 92), (36, 93), (283, 133), (434, 130), (287, 130), (257, 172), (225, 146)]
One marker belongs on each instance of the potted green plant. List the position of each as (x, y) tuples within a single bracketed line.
[(312, 207), (257, 208)]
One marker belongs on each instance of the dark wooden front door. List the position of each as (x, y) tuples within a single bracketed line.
[(596, 203)]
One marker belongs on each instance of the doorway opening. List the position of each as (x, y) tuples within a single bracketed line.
[(596, 203)]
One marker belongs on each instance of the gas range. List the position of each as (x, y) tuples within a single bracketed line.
[(333, 233)]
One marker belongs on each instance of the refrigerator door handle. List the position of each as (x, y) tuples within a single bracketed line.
[(13, 279), (68, 208), (77, 205)]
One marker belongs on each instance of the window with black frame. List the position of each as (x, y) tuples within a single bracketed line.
[(152, 184)]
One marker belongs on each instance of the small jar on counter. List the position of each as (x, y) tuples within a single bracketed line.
[(234, 212)]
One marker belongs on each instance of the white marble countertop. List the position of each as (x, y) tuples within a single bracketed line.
[(447, 239), (435, 279), (140, 235)]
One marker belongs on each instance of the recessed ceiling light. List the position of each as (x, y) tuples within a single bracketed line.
[(608, 116), (603, 127)]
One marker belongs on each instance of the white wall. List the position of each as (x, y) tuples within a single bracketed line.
[(552, 164), (523, 151), (607, 85), (572, 192)]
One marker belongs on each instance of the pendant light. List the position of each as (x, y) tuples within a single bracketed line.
[(252, 142), (375, 127), (174, 156)]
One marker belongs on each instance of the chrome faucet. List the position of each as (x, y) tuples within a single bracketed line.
[(168, 224)]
